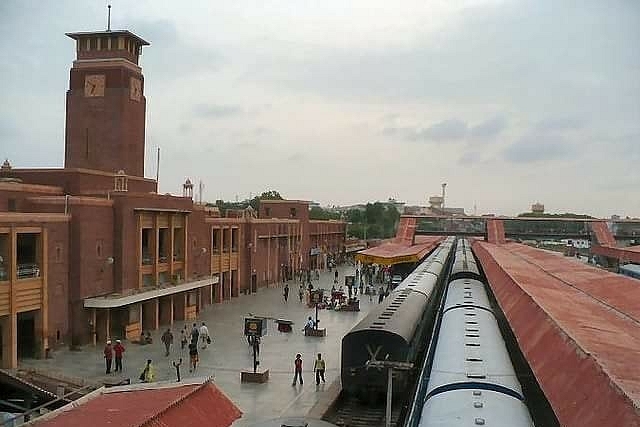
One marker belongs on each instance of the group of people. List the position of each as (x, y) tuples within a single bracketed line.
[(109, 353), (319, 367), (190, 340)]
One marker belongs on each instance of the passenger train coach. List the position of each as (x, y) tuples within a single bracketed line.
[(472, 380), (395, 330)]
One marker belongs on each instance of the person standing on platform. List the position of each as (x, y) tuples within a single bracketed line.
[(167, 340), (380, 294), (318, 367), (204, 336), (301, 293), (195, 333), (118, 349), (108, 355), (184, 338), (297, 369), (147, 373), (286, 293), (193, 356), (335, 277)]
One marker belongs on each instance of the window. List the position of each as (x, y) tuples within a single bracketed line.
[(147, 254), (58, 247), (11, 205), (178, 244), (148, 280), (225, 239), (163, 245), (234, 240), (215, 241), (267, 211), (293, 212), (4, 257), (29, 255)]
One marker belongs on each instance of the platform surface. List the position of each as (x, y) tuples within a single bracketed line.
[(230, 354)]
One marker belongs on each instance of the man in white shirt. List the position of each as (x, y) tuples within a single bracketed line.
[(204, 335)]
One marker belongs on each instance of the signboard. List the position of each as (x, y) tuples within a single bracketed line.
[(349, 281), (255, 327), (316, 297)]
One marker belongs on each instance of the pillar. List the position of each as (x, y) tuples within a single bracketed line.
[(171, 310), (157, 319), (9, 341), (94, 318)]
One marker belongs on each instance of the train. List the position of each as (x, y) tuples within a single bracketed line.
[(395, 330), (472, 380)]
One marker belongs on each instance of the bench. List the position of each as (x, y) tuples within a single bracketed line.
[(284, 325)]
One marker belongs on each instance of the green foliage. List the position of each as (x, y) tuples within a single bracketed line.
[(378, 221), (317, 212), (223, 206)]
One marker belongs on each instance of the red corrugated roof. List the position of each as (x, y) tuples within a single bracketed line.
[(579, 335), (156, 405), (393, 253)]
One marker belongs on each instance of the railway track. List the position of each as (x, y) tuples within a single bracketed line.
[(350, 412)]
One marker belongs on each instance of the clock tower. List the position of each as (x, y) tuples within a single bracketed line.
[(105, 121)]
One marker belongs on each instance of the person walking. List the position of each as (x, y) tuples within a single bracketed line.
[(177, 366), (301, 293), (335, 277), (118, 349), (193, 356), (167, 340), (108, 355), (318, 367), (380, 294), (195, 333), (184, 338), (147, 373), (204, 336), (297, 369), (286, 293)]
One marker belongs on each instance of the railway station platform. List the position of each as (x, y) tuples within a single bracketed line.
[(578, 327), (230, 354)]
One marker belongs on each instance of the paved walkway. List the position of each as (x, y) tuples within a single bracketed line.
[(229, 354)]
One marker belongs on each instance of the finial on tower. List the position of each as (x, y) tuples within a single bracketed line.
[(109, 17)]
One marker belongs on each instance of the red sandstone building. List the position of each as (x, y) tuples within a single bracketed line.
[(91, 251)]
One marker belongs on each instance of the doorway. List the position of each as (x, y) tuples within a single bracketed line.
[(26, 335)]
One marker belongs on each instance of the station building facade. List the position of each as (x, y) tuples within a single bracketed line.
[(91, 251)]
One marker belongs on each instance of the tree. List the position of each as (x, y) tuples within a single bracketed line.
[(317, 212), (266, 195)]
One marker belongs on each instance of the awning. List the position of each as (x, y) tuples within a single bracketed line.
[(120, 300), (397, 253)]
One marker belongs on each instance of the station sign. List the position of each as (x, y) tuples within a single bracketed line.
[(256, 327)]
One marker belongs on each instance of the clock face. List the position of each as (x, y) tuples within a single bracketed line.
[(135, 89), (94, 85)]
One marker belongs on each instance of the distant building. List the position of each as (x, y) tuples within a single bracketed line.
[(537, 208)]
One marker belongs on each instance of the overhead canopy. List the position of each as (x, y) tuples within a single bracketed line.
[(398, 253)]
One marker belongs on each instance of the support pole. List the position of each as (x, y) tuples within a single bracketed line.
[(389, 395), (316, 325)]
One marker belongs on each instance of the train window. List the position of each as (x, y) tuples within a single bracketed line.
[(472, 335), (471, 322), (472, 344)]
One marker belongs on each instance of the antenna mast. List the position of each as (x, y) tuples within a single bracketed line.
[(109, 18)]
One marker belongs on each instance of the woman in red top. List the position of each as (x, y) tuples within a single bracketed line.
[(118, 349), (297, 369)]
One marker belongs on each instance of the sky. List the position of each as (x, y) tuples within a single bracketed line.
[(342, 102)]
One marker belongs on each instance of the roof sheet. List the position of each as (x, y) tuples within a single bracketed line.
[(587, 316), (154, 405), (394, 253)]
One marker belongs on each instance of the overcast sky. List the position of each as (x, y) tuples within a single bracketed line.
[(509, 102)]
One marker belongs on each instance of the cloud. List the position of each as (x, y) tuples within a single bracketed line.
[(489, 128), (214, 111), (559, 124), (537, 147), (447, 130)]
